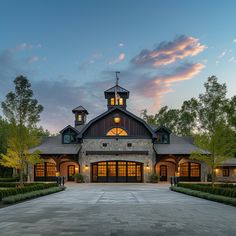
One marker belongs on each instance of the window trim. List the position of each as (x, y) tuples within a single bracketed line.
[(117, 135), (225, 174)]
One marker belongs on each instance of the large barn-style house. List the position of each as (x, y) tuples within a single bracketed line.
[(117, 146)]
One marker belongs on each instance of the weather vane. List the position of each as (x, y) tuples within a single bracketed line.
[(117, 79)]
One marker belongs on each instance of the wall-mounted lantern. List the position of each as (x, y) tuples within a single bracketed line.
[(116, 119), (76, 170)]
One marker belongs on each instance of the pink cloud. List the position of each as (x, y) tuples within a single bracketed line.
[(157, 87), (120, 58), (169, 52)]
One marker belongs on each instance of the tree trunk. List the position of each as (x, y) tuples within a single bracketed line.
[(212, 176), (21, 177)]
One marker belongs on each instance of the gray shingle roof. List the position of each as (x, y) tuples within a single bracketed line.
[(80, 108), (178, 145), (119, 89), (229, 162), (80, 127), (54, 145)]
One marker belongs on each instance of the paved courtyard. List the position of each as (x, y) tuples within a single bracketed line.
[(118, 209)]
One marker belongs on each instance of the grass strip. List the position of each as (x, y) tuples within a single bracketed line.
[(30, 195), (208, 196)]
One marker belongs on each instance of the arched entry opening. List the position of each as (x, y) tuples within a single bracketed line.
[(68, 169), (117, 172), (165, 169)]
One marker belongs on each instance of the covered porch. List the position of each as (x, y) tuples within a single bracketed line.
[(56, 165), (179, 165)]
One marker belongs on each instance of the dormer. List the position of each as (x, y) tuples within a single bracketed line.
[(116, 96), (80, 115), (163, 135), (69, 135)]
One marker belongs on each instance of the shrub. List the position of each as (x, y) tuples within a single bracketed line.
[(8, 185), (79, 178), (153, 178), (30, 188), (9, 180), (30, 195), (222, 190), (208, 196)]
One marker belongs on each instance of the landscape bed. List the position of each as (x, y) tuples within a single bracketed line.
[(11, 192), (223, 193)]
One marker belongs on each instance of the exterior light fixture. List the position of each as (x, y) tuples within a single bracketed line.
[(57, 174), (116, 119), (76, 169), (86, 167)]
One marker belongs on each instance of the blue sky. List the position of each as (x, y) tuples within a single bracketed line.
[(69, 50)]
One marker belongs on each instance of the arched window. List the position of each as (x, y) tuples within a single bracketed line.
[(117, 132)]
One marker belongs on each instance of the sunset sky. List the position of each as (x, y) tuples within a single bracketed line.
[(69, 50)]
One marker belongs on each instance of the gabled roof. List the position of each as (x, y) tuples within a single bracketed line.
[(118, 89), (125, 112), (178, 145), (54, 145), (80, 108), (69, 127), (162, 127)]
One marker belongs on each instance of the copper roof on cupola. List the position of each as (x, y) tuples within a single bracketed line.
[(80, 108)]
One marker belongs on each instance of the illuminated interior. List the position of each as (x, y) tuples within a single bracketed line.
[(112, 101), (120, 101), (117, 132)]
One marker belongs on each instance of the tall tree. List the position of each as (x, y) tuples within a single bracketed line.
[(212, 124), (221, 146), (23, 113), (188, 117)]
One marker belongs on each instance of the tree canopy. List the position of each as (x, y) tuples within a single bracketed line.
[(22, 111)]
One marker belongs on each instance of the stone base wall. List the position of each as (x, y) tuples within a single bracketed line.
[(117, 145), (230, 178)]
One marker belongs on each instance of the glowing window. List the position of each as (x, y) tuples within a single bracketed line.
[(39, 170), (79, 118), (112, 101), (121, 103), (117, 132)]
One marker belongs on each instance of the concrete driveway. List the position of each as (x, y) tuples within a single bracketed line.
[(118, 209)]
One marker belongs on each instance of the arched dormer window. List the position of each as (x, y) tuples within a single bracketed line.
[(117, 132)]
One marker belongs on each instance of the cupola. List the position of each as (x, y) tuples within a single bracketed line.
[(116, 95), (80, 115)]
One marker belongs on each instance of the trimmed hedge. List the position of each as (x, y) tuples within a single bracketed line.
[(226, 191), (208, 196), (8, 185), (9, 180), (30, 195), (26, 189), (15, 184)]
